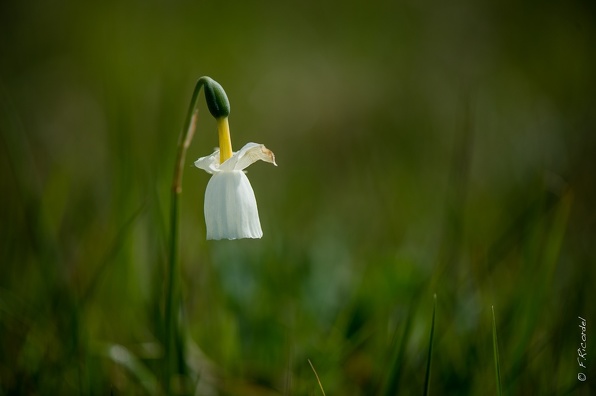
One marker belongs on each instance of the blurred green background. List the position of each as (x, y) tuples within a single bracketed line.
[(423, 147)]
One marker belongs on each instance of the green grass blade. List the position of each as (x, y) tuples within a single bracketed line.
[(430, 348), (316, 375), (496, 354)]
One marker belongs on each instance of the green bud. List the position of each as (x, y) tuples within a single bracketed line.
[(217, 100)]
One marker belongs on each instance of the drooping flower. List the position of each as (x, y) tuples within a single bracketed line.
[(230, 204)]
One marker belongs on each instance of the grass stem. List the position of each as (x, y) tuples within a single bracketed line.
[(316, 375)]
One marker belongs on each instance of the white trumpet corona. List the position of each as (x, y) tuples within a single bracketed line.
[(230, 204)]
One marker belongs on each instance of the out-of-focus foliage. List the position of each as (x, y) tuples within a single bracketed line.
[(423, 147)]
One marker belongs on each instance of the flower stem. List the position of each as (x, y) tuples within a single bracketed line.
[(225, 141), (219, 107), (172, 298)]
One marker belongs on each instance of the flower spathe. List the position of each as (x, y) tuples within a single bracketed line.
[(230, 205)]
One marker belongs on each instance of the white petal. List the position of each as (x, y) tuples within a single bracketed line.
[(231, 208), (247, 155), (210, 163)]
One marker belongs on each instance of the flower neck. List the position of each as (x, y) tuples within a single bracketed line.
[(225, 142)]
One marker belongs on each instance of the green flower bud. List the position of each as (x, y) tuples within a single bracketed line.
[(217, 100)]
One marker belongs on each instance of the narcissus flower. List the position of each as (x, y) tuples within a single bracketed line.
[(230, 205)]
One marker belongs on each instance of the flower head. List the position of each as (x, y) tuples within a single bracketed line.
[(230, 205)]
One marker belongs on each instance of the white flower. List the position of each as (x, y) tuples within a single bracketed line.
[(230, 204)]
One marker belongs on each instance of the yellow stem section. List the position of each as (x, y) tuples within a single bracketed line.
[(225, 142)]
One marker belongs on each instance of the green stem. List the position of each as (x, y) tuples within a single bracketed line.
[(172, 302)]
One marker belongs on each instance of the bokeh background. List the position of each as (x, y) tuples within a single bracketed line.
[(424, 147)]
